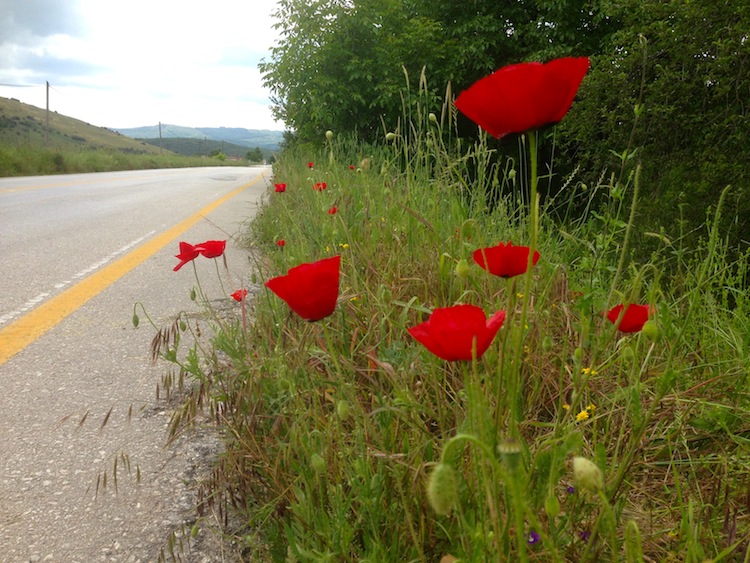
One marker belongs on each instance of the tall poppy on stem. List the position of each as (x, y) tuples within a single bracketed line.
[(319, 186), (188, 253), (310, 289), (521, 97), (459, 332), (239, 295), (632, 319), (505, 260), (211, 248)]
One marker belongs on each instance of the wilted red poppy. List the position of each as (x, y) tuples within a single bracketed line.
[(278, 188), (333, 210), (188, 252), (504, 260), (310, 290), (211, 248), (280, 243), (632, 320), (351, 167), (310, 164), (525, 96), (456, 333), (239, 295), (319, 186)]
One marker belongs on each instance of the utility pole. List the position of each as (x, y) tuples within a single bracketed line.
[(46, 133), (161, 148)]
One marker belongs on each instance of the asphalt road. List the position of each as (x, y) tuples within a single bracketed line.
[(77, 253)]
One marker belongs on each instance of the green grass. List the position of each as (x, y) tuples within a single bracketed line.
[(28, 148), (335, 427)]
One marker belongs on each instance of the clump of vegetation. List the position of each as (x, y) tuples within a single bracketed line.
[(587, 430)]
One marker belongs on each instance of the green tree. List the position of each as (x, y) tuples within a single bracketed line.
[(347, 65), (694, 132), (255, 155)]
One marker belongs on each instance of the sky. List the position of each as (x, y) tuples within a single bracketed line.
[(131, 63)]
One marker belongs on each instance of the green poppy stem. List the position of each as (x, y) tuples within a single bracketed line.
[(515, 391)]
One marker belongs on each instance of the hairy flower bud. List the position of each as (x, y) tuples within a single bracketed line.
[(587, 474), (318, 463), (390, 136), (462, 268), (442, 489), (342, 409), (651, 330), (329, 135)]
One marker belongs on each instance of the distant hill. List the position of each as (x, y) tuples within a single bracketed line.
[(24, 124), (249, 138), (201, 147)]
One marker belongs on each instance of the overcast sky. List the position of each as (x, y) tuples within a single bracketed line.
[(128, 63)]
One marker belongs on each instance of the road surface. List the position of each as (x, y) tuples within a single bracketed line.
[(77, 253)]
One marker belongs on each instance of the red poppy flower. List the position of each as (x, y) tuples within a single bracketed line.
[(319, 186), (278, 188), (333, 210), (239, 295), (211, 248), (455, 333), (310, 290), (188, 253), (504, 260), (632, 320), (524, 96), (310, 164), (280, 243)]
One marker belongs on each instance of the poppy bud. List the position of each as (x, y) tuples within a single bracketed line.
[(651, 330), (329, 135), (442, 489), (318, 463), (587, 474), (552, 505), (432, 117), (462, 269), (136, 320), (192, 295), (343, 410), (510, 452), (512, 175), (385, 295), (627, 354), (390, 136), (547, 344)]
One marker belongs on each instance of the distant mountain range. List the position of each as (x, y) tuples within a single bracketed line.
[(250, 138)]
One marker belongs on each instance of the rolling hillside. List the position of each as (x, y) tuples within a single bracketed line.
[(250, 138), (24, 124), (203, 147)]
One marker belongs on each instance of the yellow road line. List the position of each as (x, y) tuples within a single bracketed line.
[(22, 332)]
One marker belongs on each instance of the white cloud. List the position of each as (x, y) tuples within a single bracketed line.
[(142, 61)]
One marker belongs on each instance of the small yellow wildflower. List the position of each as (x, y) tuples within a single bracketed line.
[(519, 295), (566, 406), (591, 407), (328, 248), (588, 371), (344, 245), (583, 415)]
